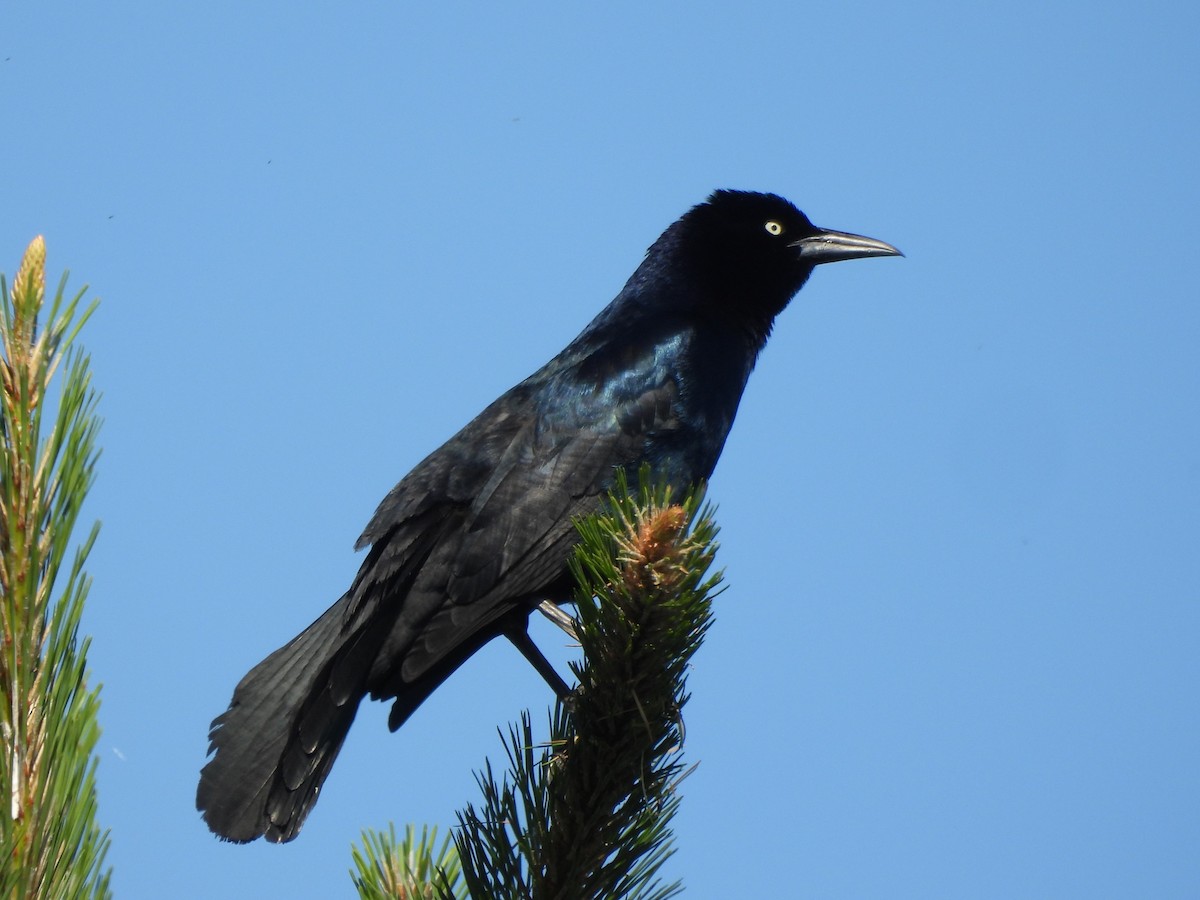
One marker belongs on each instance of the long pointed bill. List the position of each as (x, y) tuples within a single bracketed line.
[(833, 246)]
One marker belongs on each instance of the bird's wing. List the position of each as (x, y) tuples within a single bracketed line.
[(513, 538), (455, 473)]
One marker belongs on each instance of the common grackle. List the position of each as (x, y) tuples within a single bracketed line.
[(474, 537)]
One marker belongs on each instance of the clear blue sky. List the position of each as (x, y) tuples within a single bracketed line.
[(959, 652)]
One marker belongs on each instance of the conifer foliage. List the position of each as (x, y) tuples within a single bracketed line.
[(587, 815), (52, 846)]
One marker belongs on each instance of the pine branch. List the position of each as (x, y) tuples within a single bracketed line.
[(587, 815), (51, 842), (412, 869)]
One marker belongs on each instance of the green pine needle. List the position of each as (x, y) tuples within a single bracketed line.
[(416, 868), (587, 814), (52, 845)]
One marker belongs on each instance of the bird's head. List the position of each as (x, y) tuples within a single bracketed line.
[(752, 252)]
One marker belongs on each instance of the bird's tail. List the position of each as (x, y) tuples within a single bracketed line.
[(289, 716)]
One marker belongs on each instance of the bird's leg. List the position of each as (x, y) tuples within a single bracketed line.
[(518, 633), (555, 614)]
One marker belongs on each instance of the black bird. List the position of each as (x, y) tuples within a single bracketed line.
[(472, 539)]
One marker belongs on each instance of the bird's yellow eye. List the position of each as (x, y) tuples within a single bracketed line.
[(773, 227)]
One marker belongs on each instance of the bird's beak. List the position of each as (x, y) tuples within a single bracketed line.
[(833, 246)]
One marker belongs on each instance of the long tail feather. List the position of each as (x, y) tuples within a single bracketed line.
[(275, 744)]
